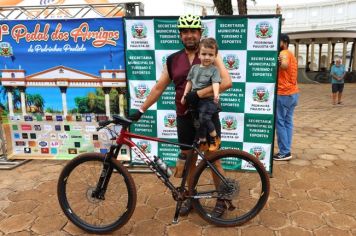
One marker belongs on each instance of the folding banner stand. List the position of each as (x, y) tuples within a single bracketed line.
[(248, 46), (6, 164)]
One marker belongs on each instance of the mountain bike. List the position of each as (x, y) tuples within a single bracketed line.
[(98, 194)]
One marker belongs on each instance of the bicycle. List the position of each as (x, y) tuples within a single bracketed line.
[(105, 200)]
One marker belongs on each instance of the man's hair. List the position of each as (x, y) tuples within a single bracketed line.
[(285, 38), (209, 43)]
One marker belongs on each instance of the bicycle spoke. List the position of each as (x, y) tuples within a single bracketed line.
[(236, 199)]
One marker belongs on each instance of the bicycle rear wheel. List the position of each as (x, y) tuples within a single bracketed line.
[(241, 199), (75, 187)]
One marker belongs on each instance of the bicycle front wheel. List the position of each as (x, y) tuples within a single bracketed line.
[(237, 198), (75, 188)]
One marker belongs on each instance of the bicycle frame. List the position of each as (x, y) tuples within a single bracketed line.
[(124, 138)]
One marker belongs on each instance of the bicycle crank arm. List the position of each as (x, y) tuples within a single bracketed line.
[(176, 214)]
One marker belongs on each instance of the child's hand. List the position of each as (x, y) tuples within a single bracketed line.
[(216, 99), (183, 100)]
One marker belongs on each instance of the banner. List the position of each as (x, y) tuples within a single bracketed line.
[(59, 77), (249, 49)]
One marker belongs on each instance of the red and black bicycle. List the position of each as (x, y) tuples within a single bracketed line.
[(98, 194)]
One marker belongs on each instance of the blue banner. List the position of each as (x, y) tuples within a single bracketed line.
[(87, 45)]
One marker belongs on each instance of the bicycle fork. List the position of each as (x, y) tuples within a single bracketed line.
[(105, 175)]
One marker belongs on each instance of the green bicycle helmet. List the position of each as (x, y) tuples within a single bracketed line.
[(189, 22)]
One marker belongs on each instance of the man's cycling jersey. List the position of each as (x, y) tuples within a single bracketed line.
[(178, 67)]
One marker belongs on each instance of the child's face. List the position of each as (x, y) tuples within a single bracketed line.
[(207, 56)]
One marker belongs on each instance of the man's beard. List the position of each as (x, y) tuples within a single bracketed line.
[(191, 47)]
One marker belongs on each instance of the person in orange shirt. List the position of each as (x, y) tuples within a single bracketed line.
[(287, 99)]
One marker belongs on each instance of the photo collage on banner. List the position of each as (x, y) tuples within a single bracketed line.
[(248, 47), (59, 78)]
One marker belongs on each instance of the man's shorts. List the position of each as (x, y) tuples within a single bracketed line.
[(337, 88)]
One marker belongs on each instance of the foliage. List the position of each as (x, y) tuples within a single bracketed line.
[(95, 102), (224, 7)]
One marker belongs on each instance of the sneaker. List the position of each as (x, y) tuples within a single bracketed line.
[(219, 209), (282, 157), (214, 144), (185, 208)]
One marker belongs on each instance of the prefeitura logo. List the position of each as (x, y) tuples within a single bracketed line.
[(5, 49), (258, 151), (231, 62), (264, 30), (145, 146), (229, 122), (170, 120), (139, 31), (205, 33), (142, 91), (260, 94)]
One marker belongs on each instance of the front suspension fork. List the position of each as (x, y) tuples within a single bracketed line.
[(106, 173)]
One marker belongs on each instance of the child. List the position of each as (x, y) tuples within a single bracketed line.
[(201, 76)]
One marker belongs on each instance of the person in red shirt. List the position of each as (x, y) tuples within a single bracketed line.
[(287, 99), (176, 71)]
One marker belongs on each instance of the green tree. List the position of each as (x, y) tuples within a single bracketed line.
[(38, 102), (35, 100), (224, 7)]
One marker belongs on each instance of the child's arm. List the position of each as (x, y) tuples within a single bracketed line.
[(187, 89), (216, 87)]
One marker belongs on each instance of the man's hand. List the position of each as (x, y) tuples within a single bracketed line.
[(136, 116), (192, 98), (216, 99)]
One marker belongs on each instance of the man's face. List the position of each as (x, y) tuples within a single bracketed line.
[(190, 38), (338, 62)]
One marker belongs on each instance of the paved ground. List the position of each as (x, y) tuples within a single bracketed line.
[(313, 194)]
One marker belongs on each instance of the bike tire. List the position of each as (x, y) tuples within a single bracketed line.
[(73, 197), (200, 184)]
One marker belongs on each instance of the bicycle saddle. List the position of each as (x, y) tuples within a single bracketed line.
[(121, 120)]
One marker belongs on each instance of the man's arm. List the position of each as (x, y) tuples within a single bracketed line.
[(157, 90), (333, 75), (283, 59), (225, 84)]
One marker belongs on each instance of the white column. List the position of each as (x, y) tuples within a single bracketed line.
[(121, 104), (344, 50), (107, 105), (10, 101), (23, 101), (354, 58), (107, 101), (64, 100), (296, 49), (329, 55), (312, 56)]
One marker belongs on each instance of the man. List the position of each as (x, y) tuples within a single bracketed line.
[(287, 99), (176, 71), (337, 73)]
